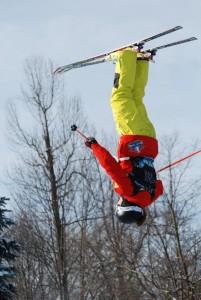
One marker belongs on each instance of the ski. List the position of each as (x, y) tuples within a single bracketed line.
[(150, 50), (155, 49), (139, 44)]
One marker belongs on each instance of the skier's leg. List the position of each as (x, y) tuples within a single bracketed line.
[(142, 125), (122, 103)]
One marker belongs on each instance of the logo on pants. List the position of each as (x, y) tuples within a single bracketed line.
[(136, 146)]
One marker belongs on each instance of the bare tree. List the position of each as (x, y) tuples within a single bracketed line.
[(73, 246), (173, 244), (45, 175)]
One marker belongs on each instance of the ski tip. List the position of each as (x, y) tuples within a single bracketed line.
[(61, 70), (193, 38), (57, 71), (178, 27)]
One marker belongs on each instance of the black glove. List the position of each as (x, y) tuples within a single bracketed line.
[(89, 141)]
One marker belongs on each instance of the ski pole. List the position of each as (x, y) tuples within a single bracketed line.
[(74, 128), (179, 160)]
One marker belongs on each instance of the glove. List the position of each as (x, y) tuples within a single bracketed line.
[(89, 141)]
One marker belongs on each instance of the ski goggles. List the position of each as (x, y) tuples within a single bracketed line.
[(130, 208)]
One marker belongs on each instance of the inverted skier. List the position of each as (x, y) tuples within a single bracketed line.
[(133, 174)]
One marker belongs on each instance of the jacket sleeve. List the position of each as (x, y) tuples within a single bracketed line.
[(143, 199), (113, 168), (159, 190)]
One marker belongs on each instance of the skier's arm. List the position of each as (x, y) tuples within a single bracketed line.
[(112, 167)]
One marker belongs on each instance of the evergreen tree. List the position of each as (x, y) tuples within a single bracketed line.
[(8, 249)]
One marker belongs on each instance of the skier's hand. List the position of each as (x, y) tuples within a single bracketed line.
[(89, 141)]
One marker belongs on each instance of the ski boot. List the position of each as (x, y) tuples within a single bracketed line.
[(115, 55)]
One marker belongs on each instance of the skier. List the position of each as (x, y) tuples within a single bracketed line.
[(133, 174)]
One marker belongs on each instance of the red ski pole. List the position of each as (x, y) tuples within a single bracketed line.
[(74, 128), (178, 161)]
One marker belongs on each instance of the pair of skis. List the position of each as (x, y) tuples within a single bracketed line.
[(101, 58)]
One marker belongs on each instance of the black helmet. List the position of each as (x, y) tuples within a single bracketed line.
[(129, 213)]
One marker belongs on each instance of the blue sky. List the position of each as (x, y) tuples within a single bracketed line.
[(66, 31)]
